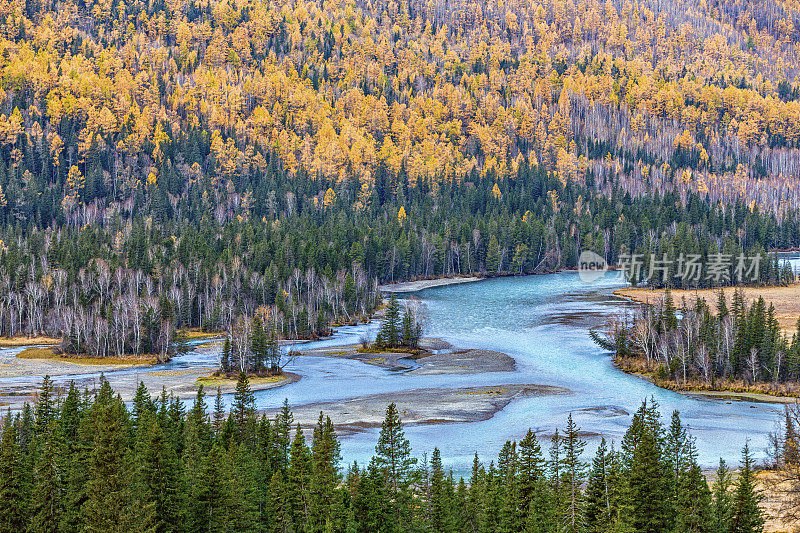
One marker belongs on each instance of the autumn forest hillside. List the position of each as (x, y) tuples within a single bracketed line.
[(650, 95), (180, 164)]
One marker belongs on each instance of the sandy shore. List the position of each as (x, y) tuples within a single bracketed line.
[(414, 286), (419, 406), (124, 379), (13, 366), (785, 299), (448, 361), (742, 396)]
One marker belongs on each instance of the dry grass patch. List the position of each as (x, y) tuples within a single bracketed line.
[(47, 353), (212, 380), (195, 333), (785, 299), (7, 342)]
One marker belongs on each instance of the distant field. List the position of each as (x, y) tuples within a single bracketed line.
[(785, 299), (7, 342)]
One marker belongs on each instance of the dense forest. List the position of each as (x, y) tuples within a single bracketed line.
[(698, 344), (183, 164), (87, 462)]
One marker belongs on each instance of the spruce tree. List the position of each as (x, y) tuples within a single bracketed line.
[(439, 497), (242, 503), (747, 516), (393, 458), (45, 406), (110, 505), (722, 304), (693, 506), (258, 345), (47, 496), (389, 335), (410, 334), (158, 476), (13, 496), (298, 480), (273, 351), (225, 358), (283, 429), (324, 507), (598, 505), (476, 495), (370, 510), (722, 505), (142, 402), (219, 412), (209, 510), (531, 468), (574, 471), (243, 409), (651, 506), (280, 520)]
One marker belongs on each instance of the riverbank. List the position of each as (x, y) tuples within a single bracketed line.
[(418, 285), (38, 365), (210, 382), (37, 352), (419, 406), (729, 390)]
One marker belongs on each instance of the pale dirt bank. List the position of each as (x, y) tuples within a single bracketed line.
[(414, 286), (446, 362), (753, 397), (180, 381), (419, 406), (13, 366)]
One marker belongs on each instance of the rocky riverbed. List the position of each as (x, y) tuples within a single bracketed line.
[(420, 406)]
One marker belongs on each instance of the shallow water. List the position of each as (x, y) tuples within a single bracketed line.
[(542, 321)]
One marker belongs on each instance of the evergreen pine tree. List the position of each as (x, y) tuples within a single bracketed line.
[(598, 505), (110, 506), (574, 472), (273, 351), (209, 511), (219, 412), (747, 516), (243, 409), (722, 505), (13, 498), (225, 358), (158, 476), (280, 520), (258, 345), (693, 506), (45, 406), (389, 335), (651, 506), (324, 508), (393, 458), (298, 480), (440, 518), (410, 337), (47, 496), (283, 429)]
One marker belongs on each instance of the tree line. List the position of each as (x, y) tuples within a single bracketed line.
[(125, 286), (86, 461), (706, 345)]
